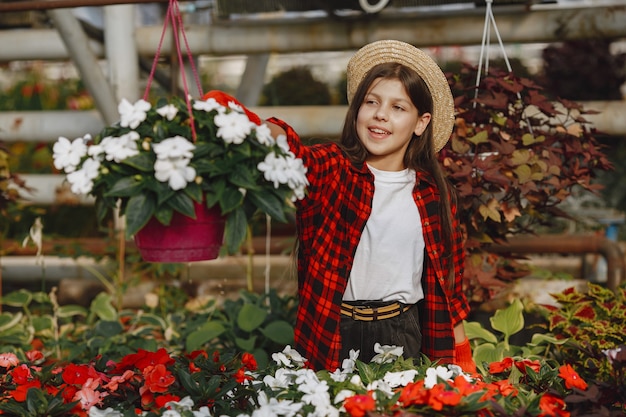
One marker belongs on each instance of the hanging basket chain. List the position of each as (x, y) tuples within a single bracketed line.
[(173, 15), (484, 49)]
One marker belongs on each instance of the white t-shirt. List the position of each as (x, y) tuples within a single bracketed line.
[(389, 258)]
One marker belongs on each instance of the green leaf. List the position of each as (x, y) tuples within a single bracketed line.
[(509, 320), (475, 330), (247, 345), (108, 329), (126, 187), (183, 204), (487, 353), (139, 210), (142, 162), (231, 199), (268, 203), (280, 332), (480, 137), (71, 310), (8, 320), (20, 298), (250, 317), (204, 334), (42, 323), (103, 308), (190, 386), (236, 230)]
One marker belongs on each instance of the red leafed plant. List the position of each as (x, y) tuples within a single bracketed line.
[(514, 156)]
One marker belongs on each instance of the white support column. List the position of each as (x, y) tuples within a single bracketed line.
[(121, 51)]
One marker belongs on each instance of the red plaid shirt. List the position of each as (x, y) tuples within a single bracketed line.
[(329, 223)]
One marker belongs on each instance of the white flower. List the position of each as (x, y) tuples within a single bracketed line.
[(183, 405), (202, 412), (402, 378), (347, 367), (131, 115), (169, 111), (273, 407), (67, 155), (81, 181), (433, 375), (170, 413), (175, 147), (282, 378), (381, 386), (107, 412), (386, 353), (611, 354), (118, 149), (208, 105), (175, 171), (285, 170), (233, 127), (282, 143), (264, 135), (287, 356), (342, 395)]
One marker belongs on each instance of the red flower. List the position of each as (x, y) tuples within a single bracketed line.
[(21, 374), (193, 368), (197, 353), (157, 378), (571, 378), (34, 355), (505, 388), (249, 362), (413, 393), (359, 405), (142, 359), (78, 374), (240, 376), (216, 356), (552, 406), (502, 366), (440, 397), (19, 393), (161, 400), (527, 363)]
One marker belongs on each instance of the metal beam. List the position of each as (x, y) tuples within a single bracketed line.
[(314, 35), (77, 43)]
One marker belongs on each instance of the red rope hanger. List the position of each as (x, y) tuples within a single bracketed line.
[(173, 15)]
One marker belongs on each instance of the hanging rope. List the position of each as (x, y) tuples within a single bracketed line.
[(173, 15), (484, 52)]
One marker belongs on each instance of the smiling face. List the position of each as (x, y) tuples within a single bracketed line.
[(386, 123)]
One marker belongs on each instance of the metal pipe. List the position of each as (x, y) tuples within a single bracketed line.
[(119, 25), (78, 46), (23, 6), (571, 244), (316, 35)]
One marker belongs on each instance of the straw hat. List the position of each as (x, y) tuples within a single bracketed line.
[(395, 51)]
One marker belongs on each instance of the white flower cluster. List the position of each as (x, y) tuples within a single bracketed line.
[(82, 163), (285, 169), (174, 409)]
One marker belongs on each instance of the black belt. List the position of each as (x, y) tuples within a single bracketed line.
[(365, 313)]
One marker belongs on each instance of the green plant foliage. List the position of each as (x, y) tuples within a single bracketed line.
[(593, 322), (295, 87)]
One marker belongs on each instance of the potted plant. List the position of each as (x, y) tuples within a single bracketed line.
[(167, 163)]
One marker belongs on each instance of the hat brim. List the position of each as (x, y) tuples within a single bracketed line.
[(442, 118)]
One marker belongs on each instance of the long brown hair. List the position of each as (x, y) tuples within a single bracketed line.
[(420, 154)]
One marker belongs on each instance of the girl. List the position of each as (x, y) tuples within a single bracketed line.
[(380, 250)]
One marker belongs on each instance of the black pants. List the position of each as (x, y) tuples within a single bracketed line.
[(401, 330)]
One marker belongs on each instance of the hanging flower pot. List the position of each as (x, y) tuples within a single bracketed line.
[(185, 239)]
